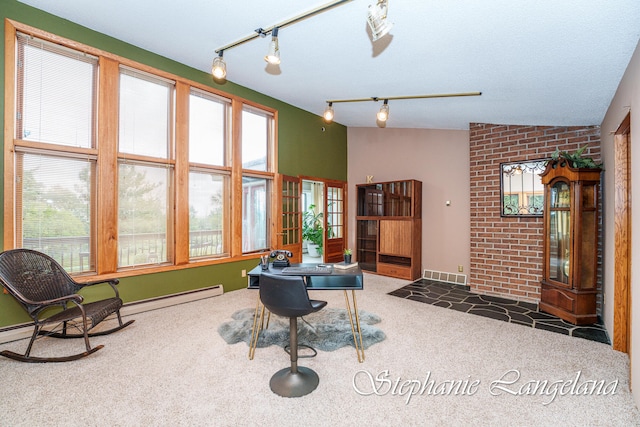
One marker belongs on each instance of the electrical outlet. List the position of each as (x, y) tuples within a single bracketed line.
[(244, 273), (460, 269)]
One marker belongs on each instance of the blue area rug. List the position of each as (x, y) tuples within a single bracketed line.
[(327, 329)]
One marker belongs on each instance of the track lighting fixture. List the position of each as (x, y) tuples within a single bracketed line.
[(383, 114), (377, 19), (328, 113), (273, 55), (219, 68)]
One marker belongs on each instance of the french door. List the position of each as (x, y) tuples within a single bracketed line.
[(335, 221), (289, 218)]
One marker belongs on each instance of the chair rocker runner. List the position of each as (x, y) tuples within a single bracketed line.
[(38, 282)]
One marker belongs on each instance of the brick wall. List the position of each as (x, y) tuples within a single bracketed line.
[(506, 252)]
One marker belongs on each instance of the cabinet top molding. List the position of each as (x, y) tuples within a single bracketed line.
[(561, 168)]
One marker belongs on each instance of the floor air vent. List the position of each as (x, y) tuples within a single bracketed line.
[(442, 276)]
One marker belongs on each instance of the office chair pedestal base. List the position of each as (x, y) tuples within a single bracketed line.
[(294, 384)]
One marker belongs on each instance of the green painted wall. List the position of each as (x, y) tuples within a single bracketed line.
[(306, 145)]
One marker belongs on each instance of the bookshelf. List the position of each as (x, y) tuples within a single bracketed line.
[(389, 228)]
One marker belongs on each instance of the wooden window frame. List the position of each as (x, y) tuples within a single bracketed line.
[(107, 155)]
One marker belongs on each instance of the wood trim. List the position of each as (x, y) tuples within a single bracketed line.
[(181, 190), (107, 183), (236, 179), (9, 133), (622, 238)]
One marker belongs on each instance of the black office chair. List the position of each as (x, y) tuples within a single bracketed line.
[(287, 296)]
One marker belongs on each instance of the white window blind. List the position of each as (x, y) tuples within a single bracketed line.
[(208, 117), (145, 114), (54, 201), (55, 93)]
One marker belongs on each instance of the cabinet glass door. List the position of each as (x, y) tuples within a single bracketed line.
[(560, 233), (367, 244)]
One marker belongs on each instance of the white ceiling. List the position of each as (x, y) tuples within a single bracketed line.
[(536, 62)]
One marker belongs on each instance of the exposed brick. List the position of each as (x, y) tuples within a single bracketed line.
[(506, 252)]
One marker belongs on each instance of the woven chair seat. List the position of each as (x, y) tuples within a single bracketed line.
[(95, 311)]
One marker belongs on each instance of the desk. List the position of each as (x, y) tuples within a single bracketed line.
[(344, 280)]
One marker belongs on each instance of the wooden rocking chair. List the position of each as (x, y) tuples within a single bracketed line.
[(38, 282)]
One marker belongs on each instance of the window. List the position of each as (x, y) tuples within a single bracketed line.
[(54, 198), (207, 214), (54, 186), (144, 219), (56, 94), (254, 214), (207, 128), (115, 165), (208, 177), (257, 134), (521, 188), (145, 114), (255, 137), (144, 184)]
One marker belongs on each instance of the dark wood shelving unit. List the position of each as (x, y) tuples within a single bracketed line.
[(389, 228)]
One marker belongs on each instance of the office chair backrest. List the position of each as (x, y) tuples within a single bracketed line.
[(285, 295)]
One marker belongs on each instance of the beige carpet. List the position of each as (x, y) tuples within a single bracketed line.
[(171, 367)]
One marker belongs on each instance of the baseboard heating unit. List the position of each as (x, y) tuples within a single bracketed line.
[(25, 330), (442, 276)]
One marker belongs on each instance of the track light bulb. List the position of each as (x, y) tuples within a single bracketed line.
[(383, 114), (328, 113), (219, 68), (273, 55)]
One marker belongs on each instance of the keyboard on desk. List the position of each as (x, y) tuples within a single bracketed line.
[(304, 271)]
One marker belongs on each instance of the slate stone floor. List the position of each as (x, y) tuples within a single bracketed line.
[(457, 297)]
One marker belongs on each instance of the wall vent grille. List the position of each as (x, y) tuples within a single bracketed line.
[(443, 276)]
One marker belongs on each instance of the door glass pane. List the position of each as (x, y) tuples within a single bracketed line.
[(290, 213), (54, 202), (142, 214), (335, 212)]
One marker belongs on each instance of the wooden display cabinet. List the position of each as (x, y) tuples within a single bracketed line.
[(389, 228), (569, 284)]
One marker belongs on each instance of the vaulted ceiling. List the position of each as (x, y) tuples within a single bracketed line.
[(543, 62)]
